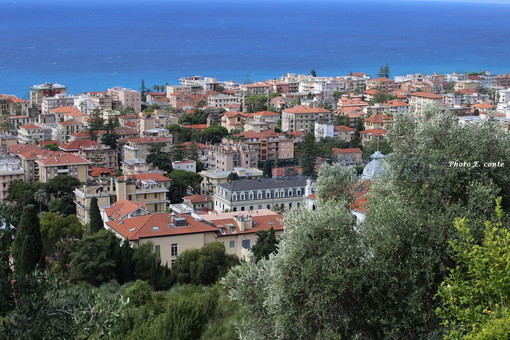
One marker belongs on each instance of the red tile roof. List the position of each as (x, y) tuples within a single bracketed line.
[(346, 151), (68, 110), (196, 126), (425, 95), (188, 145), (157, 225), (121, 208), (30, 127), (98, 172), (197, 199), (150, 140), (43, 143), (483, 106), (78, 144), (63, 159), (306, 109), (339, 128), (378, 118), (395, 103), (70, 122)]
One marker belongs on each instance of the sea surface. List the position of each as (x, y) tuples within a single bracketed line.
[(93, 45)]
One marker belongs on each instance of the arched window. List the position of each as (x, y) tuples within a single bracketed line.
[(242, 208), (259, 195), (243, 196), (291, 192), (260, 207), (234, 197), (252, 195), (268, 206), (234, 209), (276, 194), (268, 194)]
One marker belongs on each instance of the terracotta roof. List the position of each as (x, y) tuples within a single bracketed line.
[(196, 126), (345, 151), (378, 118), (156, 225), (263, 219), (30, 127), (197, 199), (263, 134), (343, 128), (78, 144), (194, 144), (43, 143), (69, 110), (20, 148), (63, 159), (98, 172), (395, 103), (483, 106), (374, 132), (296, 133), (281, 171), (380, 80), (150, 140), (372, 91), (426, 95), (142, 177), (70, 122), (306, 109), (15, 99), (231, 114), (80, 134), (121, 208), (266, 113)]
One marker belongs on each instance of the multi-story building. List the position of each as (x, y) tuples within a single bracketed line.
[(352, 156), (255, 194), (206, 83), (343, 132), (103, 190), (99, 155), (503, 80), (383, 84), (10, 170), (270, 145), (396, 107), (229, 154), (58, 164), (125, 97), (186, 165), (102, 101), (38, 92), (368, 136), (63, 130), (302, 118), (138, 148), (30, 134), (212, 178), (419, 100), (57, 100), (222, 100), (231, 120), (151, 189), (378, 121)]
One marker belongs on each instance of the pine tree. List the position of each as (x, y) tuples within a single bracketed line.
[(267, 171), (313, 73), (6, 298), (143, 90), (266, 244), (27, 249), (96, 223), (384, 71), (309, 153)]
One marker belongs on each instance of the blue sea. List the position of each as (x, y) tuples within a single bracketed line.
[(93, 45)]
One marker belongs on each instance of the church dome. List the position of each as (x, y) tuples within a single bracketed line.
[(374, 168)]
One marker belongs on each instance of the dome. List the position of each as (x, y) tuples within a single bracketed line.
[(374, 168)]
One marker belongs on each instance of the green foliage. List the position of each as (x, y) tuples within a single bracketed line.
[(49, 309), (265, 245), (6, 297), (59, 234), (64, 205), (384, 71), (309, 152), (62, 185), (96, 222), (95, 123), (152, 108), (159, 158), (310, 288), (381, 97), (147, 266), (232, 176), (27, 248), (110, 137), (52, 147), (267, 170), (203, 266), (256, 103), (93, 260), (182, 181), (22, 193), (335, 182), (197, 117), (383, 146), (313, 73), (476, 293), (211, 135)]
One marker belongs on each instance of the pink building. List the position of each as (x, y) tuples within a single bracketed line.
[(126, 97)]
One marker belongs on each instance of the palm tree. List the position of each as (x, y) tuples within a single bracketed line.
[(40, 197)]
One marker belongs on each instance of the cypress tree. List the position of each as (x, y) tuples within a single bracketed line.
[(6, 298), (96, 223), (309, 153), (28, 247), (267, 171)]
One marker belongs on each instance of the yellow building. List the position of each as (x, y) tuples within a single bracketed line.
[(59, 164), (150, 189)]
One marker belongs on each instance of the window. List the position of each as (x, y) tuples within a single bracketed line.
[(232, 244), (157, 249), (246, 244), (173, 249)]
